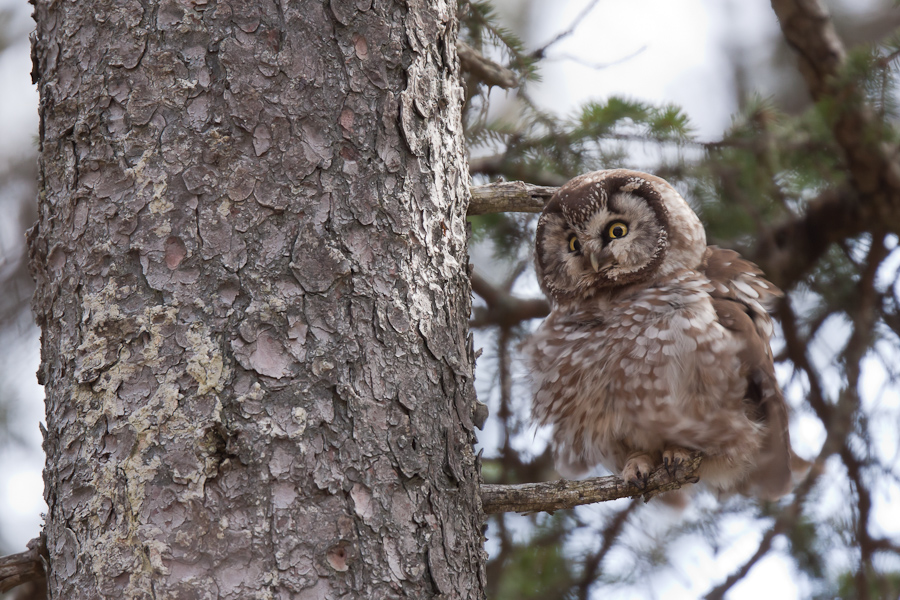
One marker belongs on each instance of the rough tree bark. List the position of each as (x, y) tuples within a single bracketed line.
[(251, 267)]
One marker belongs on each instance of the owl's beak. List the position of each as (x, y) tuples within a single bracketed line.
[(601, 259)]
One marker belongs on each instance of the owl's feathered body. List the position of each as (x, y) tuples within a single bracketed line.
[(657, 345)]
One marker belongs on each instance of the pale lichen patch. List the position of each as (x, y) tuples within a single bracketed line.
[(300, 418), (147, 176), (102, 324), (205, 362), (158, 409), (163, 229), (256, 393), (153, 321), (224, 209), (160, 205)]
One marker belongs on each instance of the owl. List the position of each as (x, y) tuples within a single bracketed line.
[(657, 345)]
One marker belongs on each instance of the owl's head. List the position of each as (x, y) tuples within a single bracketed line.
[(609, 229)]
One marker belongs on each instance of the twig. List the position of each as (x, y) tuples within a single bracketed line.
[(539, 53), (563, 494), (864, 511), (597, 66)]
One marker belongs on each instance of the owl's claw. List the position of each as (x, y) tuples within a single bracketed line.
[(673, 459), (637, 469)]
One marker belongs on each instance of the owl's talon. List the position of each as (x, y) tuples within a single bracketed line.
[(673, 459), (637, 470)]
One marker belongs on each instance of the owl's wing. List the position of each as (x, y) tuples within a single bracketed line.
[(739, 280), (740, 299)]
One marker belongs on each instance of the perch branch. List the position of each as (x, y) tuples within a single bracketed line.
[(23, 567), (558, 495)]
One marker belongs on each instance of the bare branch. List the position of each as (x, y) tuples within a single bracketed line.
[(486, 70), (611, 533), (558, 495), (718, 592), (509, 196), (595, 65), (23, 567), (798, 353)]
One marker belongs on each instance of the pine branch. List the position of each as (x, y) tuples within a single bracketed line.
[(562, 494)]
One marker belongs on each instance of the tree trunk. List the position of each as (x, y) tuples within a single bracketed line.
[(251, 267)]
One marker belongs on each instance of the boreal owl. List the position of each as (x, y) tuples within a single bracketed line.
[(657, 345)]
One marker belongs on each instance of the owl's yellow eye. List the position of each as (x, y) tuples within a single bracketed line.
[(574, 244), (617, 230)]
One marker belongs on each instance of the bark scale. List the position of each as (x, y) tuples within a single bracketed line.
[(251, 267)]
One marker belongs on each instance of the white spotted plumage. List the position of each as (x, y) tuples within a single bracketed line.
[(657, 345)]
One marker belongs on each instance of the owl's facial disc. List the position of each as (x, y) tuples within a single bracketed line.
[(601, 232)]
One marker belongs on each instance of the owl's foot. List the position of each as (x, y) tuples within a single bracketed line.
[(637, 469), (674, 457)]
